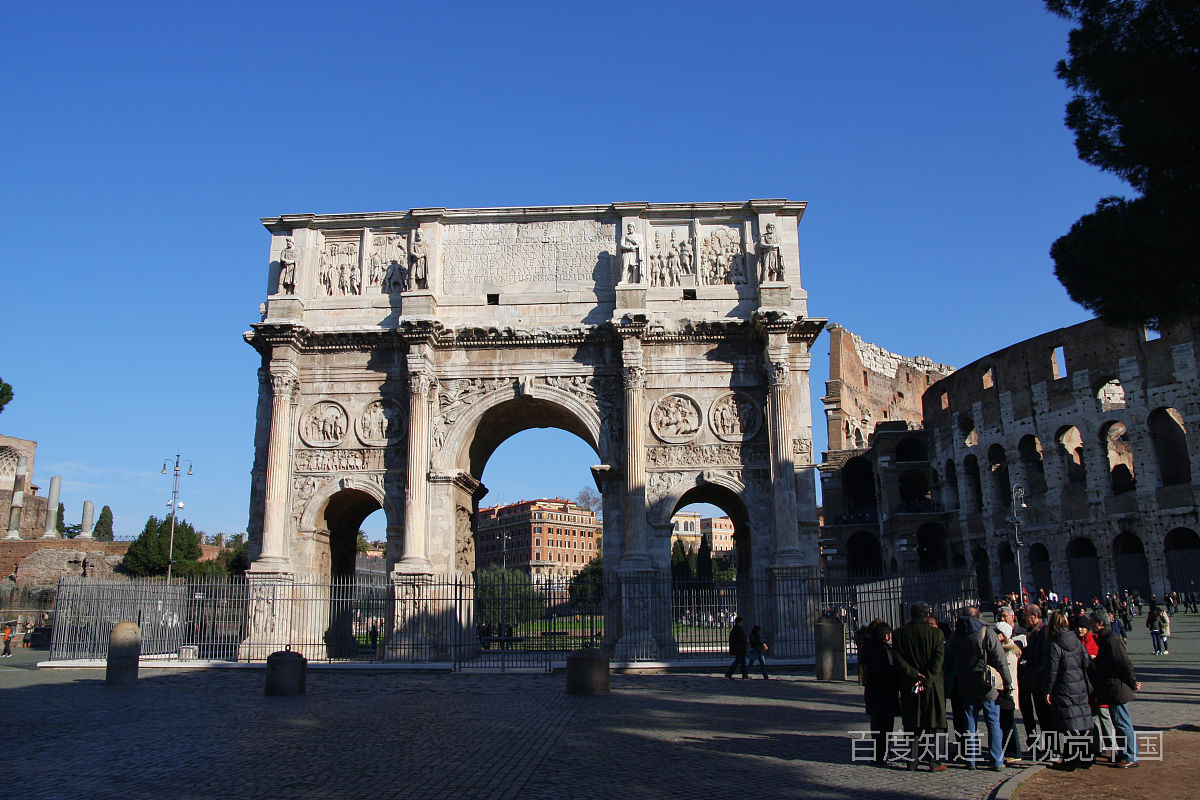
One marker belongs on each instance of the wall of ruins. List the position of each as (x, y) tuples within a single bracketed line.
[(1099, 426)]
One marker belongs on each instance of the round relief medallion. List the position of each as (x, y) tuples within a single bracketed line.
[(324, 424), (734, 417), (381, 423), (675, 418)]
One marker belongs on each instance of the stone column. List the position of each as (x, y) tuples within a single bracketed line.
[(85, 525), (414, 559), (636, 572), (18, 499), (50, 531), (783, 483), (284, 391)]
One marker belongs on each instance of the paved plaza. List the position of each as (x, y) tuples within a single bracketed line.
[(213, 734)]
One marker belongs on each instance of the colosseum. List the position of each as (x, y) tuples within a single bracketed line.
[(1064, 458)]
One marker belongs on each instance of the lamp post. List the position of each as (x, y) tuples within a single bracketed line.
[(174, 504), (1018, 502)]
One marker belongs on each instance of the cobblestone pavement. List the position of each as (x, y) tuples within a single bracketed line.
[(213, 734)]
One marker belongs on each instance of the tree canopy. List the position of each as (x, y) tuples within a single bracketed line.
[(147, 554), (1134, 68), (103, 532), (6, 394)]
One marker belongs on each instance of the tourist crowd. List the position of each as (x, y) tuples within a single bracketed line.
[(1062, 664)]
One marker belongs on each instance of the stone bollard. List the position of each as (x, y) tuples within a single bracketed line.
[(124, 650), (830, 640), (587, 672), (286, 673)]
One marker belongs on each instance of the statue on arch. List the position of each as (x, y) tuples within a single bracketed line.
[(287, 268), (631, 255), (418, 259)]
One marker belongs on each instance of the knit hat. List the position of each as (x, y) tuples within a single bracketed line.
[(1004, 628)]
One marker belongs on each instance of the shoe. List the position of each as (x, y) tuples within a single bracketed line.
[(996, 767), (912, 766), (937, 767), (1125, 763), (1166, 652)]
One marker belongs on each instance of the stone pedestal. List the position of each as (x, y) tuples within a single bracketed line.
[(631, 295), (637, 608), (413, 611), (269, 618), (775, 295), (284, 309), (418, 304), (793, 597), (124, 650)]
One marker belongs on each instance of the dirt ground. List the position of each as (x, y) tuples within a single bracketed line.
[(1176, 776)]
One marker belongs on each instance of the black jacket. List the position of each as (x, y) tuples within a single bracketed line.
[(1112, 672), (1067, 683), (1031, 670), (737, 640), (881, 690), (972, 654)]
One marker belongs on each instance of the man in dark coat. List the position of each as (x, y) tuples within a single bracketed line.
[(976, 647), (880, 695), (1031, 677), (737, 646), (1115, 682), (919, 651)]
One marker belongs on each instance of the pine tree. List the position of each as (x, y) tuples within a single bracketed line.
[(704, 563), (103, 532), (147, 555)]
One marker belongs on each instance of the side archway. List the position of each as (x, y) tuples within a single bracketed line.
[(1084, 566), (1183, 559), (1133, 570)]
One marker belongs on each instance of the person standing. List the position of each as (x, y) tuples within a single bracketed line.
[(919, 652), (8, 634), (758, 650), (1008, 700), (737, 646), (1035, 711), (880, 693), (1067, 689), (1115, 684), (976, 649), (1155, 630), (1164, 630)]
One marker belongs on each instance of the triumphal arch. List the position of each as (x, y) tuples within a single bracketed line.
[(400, 349)]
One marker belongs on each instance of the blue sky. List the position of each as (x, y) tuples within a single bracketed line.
[(143, 141)]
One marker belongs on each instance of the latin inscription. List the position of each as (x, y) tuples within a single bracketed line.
[(530, 255)]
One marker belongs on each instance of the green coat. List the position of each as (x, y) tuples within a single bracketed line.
[(919, 649)]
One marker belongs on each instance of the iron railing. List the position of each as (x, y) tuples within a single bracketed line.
[(502, 624)]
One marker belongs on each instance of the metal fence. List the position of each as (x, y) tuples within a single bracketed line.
[(500, 624)]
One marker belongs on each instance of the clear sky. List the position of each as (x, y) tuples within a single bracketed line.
[(143, 141)]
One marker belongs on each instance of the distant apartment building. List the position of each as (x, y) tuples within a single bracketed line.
[(691, 528), (549, 539)]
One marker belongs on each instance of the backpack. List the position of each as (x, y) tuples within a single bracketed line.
[(990, 679)]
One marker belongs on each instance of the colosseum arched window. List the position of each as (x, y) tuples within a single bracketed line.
[(1169, 435), (998, 465), (1030, 448), (1119, 452), (1070, 443)]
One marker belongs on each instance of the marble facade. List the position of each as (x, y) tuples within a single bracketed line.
[(400, 349)]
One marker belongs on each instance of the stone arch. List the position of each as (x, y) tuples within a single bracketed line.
[(858, 486), (1133, 569), (998, 466), (332, 516), (912, 448), (722, 491), (864, 557), (1070, 443), (915, 493), (1168, 433), (1119, 452), (1039, 566), (1110, 394), (504, 412), (974, 483), (951, 485), (1030, 449), (932, 548), (966, 428), (1084, 567), (1182, 546), (983, 572)]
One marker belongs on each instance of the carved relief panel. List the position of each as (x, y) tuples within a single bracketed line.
[(387, 266), (340, 269), (324, 424), (735, 417), (675, 418), (722, 256), (671, 257), (382, 423)]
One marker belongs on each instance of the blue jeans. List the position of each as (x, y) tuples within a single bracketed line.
[(991, 716), (1125, 732), (1156, 639), (754, 654)]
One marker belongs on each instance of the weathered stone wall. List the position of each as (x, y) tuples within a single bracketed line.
[(1101, 428), (33, 512), (42, 562)]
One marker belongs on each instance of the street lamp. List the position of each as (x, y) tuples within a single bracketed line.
[(1018, 502), (174, 504)]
